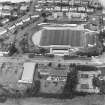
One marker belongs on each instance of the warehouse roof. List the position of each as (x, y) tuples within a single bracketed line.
[(28, 72)]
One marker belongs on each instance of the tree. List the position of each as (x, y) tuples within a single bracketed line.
[(12, 49)]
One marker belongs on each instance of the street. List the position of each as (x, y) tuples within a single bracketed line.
[(80, 100)]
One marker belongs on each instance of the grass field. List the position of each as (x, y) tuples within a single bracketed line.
[(61, 37), (10, 73)]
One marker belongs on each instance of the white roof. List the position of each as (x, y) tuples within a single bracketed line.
[(15, 1), (23, 7), (28, 72), (64, 28), (5, 13), (7, 7)]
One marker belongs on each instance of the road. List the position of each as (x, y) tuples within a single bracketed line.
[(80, 100)]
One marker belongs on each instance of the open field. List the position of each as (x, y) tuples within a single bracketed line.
[(61, 37)]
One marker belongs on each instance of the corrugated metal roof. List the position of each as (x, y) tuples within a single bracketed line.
[(28, 72)]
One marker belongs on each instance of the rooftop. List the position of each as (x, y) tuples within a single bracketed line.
[(15, 1)]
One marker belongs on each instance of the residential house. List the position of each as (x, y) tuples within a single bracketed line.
[(85, 2), (49, 1), (65, 1), (65, 8), (7, 7), (77, 2), (1, 7), (57, 8), (95, 4), (41, 1), (57, 1), (23, 8), (5, 13)]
